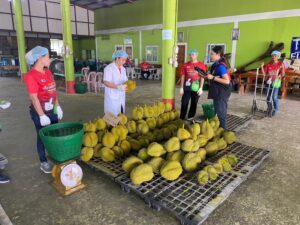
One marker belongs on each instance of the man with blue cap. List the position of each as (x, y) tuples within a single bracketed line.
[(274, 70), (41, 88), (191, 84), (114, 80)]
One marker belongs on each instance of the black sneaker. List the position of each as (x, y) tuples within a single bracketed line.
[(4, 179)]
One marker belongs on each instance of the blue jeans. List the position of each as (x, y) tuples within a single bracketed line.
[(36, 120), (275, 98), (220, 106)]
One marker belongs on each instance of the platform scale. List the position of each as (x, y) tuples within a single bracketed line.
[(67, 177), (63, 143)]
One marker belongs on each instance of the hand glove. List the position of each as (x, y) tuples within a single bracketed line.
[(200, 92), (59, 112), (181, 91), (44, 120), (122, 87), (49, 105), (269, 81)]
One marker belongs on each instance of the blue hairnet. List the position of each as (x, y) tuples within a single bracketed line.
[(276, 53), (193, 51), (34, 54), (119, 54)]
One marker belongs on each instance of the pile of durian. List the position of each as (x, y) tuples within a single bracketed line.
[(155, 140)]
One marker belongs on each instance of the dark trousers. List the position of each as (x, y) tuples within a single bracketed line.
[(220, 106), (185, 103), (36, 120), (145, 74)]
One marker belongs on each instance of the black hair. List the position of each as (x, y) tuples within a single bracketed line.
[(218, 50)]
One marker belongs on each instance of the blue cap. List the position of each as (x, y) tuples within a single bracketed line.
[(193, 51), (119, 54), (34, 54), (276, 53)]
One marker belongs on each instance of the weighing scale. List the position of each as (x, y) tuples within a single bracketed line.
[(67, 177), (63, 143)]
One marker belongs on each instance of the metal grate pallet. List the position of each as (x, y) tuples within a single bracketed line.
[(111, 169), (234, 122), (249, 158), (190, 202)]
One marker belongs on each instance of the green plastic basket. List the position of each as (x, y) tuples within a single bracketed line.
[(80, 88), (208, 110), (63, 140)]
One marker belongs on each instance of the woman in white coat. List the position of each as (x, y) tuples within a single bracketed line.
[(114, 80)]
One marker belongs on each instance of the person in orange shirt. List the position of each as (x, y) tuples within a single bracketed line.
[(145, 72), (188, 76)]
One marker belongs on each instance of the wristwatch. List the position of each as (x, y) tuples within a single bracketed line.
[(214, 78)]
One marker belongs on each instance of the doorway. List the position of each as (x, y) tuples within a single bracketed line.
[(181, 56)]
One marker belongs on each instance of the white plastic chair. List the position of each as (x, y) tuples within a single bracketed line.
[(85, 73), (91, 82), (157, 76), (99, 82), (136, 74)]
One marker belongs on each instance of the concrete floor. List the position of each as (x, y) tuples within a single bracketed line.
[(270, 196)]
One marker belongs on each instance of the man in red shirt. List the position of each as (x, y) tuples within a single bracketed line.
[(41, 88), (274, 69), (189, 80), (145, 72)]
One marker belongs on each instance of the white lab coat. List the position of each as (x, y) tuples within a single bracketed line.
[(114, 98)]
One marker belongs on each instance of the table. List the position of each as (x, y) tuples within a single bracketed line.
[(250, 76)]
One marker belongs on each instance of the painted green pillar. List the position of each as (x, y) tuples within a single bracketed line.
[(17, 6), (169, 36), (68, 46)]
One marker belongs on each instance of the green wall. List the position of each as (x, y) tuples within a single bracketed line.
[(255, 36), (83, 44), (147, 12), (106, 48)]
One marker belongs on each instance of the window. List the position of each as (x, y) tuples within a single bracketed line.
[(129, 51), (118, 47), (209, 48), (56, 45), (152, 54), (88, 54)]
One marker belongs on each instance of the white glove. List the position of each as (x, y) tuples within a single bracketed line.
[(4, 104), (49, 105), (181, 91), (44, 120), (200, 91), (269, 81), (122, 87), (59, 112)]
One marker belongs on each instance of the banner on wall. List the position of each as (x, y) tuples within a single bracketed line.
[(295, 48)]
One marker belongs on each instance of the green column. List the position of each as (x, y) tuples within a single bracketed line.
[(17, 6), (169, 41), (68, 46)]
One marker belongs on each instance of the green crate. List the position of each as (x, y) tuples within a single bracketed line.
[(208, 110), (62, 140), (80, 88)]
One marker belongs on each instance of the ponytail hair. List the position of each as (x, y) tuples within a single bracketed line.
[(218, 50)]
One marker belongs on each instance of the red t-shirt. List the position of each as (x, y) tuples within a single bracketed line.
[(41, 84), (189, 72), (145, 66), (271, 69)]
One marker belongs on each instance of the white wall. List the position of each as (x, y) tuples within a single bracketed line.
[(45, 17)]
